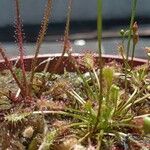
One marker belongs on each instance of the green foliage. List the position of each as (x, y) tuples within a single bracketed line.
[(34, 145), (139, 75), (147, 125), (48, 140), (115, 113), (99, 106), (16, 117), (108, 74)]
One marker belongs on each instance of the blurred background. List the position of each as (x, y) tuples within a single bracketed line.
[(83, 34)]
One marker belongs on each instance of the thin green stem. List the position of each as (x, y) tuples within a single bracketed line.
[(132, 56), (99, 34), (88, 89), (101, 134), (96, 77), (129, 101), (134, 4)]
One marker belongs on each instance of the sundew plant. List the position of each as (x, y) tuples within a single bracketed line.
[(93, 104)]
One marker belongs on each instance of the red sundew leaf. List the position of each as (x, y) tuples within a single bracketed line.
[(19, 38)]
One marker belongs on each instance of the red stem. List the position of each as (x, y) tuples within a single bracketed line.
[(40, 38), (66, 37), (20, 44)]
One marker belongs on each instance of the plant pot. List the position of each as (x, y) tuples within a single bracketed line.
[(65, 61)]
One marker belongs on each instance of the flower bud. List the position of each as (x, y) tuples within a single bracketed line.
[(135, 27), (135, 33), (122, 32)]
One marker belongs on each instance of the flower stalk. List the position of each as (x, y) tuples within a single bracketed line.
[(133, 12), (41, 37), (99, 34), (19, 38)]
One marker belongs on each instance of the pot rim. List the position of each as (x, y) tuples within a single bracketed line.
[(75, 55)]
